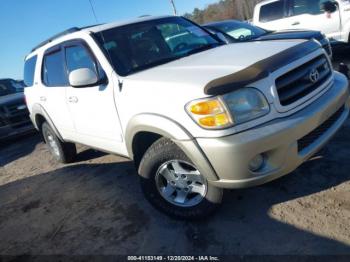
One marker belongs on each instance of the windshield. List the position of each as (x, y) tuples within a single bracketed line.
[(9, 86), (143, 45), (240, 31)]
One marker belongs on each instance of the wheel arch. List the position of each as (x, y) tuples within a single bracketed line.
[(143, 130), (39, 116)]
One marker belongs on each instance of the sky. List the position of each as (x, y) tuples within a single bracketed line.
[(26, 23)]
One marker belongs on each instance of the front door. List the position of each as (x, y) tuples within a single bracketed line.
[(93, 108)]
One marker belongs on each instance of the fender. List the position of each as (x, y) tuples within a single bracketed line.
[(37, 109), (154, 123), (167, 127)]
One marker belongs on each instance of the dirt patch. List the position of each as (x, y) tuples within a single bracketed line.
[(95, 206)]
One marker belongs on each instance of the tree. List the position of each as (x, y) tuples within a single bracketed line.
[(224, 9)]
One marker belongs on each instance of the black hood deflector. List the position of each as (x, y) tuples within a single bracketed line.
[(260, 69)]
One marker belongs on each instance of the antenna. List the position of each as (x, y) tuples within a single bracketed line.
[(174, 7), (93, 10), (120, 82)]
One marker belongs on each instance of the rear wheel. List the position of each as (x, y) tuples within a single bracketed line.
[(173, 184), (63, 152)]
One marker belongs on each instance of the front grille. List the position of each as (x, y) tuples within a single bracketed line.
[(2, 110), (2, 123), (297, 83), (18, 119), (13, 109), (319, 131)]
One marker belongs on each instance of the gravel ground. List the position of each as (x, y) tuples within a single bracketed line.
[(95, 206)]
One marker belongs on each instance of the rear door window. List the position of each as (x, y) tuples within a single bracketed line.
[(54, 73), (272, 11), (314, 7), (29, 70)]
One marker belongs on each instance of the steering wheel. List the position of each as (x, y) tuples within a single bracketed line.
[(241, 38), (180, 47)]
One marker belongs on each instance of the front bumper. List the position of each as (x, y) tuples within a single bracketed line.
[(278, 141), (10, 131)]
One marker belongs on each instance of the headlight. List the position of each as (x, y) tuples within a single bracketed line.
[(234, 108), (246, 104)]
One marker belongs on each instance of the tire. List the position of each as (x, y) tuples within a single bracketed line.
[(165, 158), (63, 152)]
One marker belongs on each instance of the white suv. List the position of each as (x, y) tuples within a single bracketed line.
[(195, 115), (332, 17)]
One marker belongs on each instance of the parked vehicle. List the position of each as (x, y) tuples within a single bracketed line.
[(196, 117), (235, 31), (14, 115), (330, 17)]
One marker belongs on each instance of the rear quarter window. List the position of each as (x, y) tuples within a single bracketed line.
[(272, 11), (29, 70)]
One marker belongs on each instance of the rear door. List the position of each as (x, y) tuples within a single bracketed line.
[(310, 14), (53, 91), (272, 15), (93, 108)]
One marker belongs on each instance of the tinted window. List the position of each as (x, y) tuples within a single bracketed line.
[(53, 69), (78, 57), (143, 45), (29, 69), (239, 31), (314, 7), (273, 11), (176, 35)]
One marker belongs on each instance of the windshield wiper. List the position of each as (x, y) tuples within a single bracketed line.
[(152, 64), (202, 48)]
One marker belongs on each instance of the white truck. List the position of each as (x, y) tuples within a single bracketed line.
[(195, 115), (331, 17)]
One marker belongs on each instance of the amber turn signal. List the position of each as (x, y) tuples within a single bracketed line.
[(206, 107), (209, 113), (215, 121)]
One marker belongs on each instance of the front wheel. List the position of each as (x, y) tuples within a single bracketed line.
[(173, 184)]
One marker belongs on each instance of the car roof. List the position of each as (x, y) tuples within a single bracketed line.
[(95, 29), (223, 22), (6, 79), (102, 27)]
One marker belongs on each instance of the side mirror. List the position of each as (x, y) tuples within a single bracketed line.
[(83, 77), (329, 6)]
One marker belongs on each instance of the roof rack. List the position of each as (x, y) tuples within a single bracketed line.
[(66, 32), (90, 26)]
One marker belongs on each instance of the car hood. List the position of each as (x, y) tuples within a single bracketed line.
[(292, 34), (202, 68), (11, 99)]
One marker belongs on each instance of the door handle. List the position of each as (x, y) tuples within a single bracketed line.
[(42, 98), (296, 23), (73, 99)]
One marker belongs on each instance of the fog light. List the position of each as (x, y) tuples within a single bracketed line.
[(256, 163)]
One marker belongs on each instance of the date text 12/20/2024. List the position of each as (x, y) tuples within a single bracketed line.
[(173, 258)]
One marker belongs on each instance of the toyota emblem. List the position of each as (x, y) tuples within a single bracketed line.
[(314, 75)]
